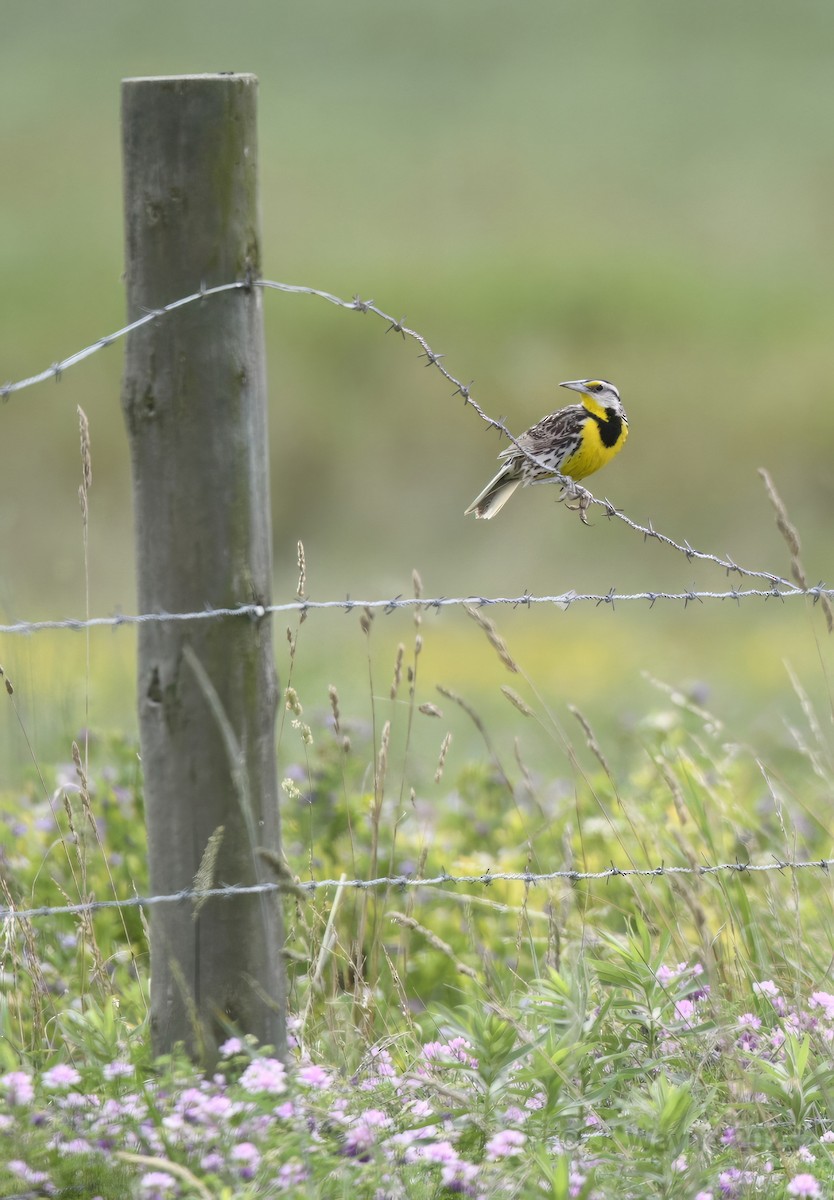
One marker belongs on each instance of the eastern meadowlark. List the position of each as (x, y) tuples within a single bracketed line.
[(575, 441)]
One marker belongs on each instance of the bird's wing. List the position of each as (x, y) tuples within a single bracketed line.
[(550, 431)]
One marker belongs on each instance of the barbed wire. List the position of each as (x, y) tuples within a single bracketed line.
[(433, 359), (404, 882), (564, 601)]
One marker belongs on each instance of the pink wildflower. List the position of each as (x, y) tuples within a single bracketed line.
[(576, 1182), (668, 974), (823, 1000), (314, 1076), (685, 1010), (515, 1115), (433, 1050), (117, 1070), (18, 1085), (264, 1075), (458, 1176), (249, 1158), (22, 1169), (231, 1046), (292, 1173), (60, 1076), (505, 1143), (804, 1185), (439, 1152), (374, 1117), (156, 1185)]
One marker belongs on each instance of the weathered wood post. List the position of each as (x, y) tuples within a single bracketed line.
[(194, 399)]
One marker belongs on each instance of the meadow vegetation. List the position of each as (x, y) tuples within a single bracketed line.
[(661, 1034), (640, 192)]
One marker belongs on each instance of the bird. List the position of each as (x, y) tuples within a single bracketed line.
[(575, 441)]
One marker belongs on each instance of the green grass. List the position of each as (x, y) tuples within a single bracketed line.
[(602, 1022)]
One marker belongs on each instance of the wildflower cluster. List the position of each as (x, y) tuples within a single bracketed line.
[(496, 1104)]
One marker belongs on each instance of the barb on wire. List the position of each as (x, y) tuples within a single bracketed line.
[(564, 601), (433, 359), (402, 882)]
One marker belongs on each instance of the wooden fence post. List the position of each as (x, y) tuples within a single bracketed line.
[(194, 399)]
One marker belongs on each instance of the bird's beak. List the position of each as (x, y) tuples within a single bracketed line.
[(576, 385)]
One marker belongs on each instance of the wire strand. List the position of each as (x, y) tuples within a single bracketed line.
[(433, 359), (404, 882), (564, 600)]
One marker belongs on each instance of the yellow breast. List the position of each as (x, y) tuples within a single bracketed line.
[(601, 440)]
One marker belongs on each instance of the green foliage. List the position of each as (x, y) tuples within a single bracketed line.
[(70, 837), (799, 1084), (595, 1021)]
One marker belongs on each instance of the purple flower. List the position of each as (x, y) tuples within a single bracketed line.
[(117, 1070), (249, 1158), (291, 1173), (505, 1143), (156, 1185), (22, 1169), (576, 1182), (438, 1152), (685, 1010), (375, 1117), (804, 1185), (60, 1076), (456, 1049), (18, 1086), (433, 1050), (514, 1114), (75, 1146), (669, 974), (823, 1000), (382, 1061), (232, 1045), (314, 1076), (264, 1075), (748, 1042), (458, 1176), (363, 1134)]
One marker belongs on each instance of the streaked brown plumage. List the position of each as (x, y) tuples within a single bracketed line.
[(575, 441)]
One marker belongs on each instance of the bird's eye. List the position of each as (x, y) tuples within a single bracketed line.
[(594, 387)]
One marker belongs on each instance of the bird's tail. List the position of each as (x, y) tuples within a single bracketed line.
[(494, 496)]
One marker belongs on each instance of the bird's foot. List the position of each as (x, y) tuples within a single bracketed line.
[(577, 499)]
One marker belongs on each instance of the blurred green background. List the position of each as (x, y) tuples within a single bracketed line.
[(549, 190)]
